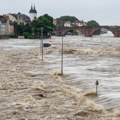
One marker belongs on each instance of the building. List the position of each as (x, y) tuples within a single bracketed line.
[(12, 17), (9, 22), (4, 25), (55, 21), (23, 19), (78, 23), (33, 13), (67, 24), (18, 18)]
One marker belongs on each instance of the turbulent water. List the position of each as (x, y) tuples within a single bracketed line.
[(85, 60)]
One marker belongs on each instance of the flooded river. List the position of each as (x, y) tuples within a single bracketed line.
[(85, 60)]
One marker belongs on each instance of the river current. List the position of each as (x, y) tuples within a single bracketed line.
[(85, 60)]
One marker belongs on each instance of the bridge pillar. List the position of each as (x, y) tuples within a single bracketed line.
[(88, 35), (88, 32), (117, 33)]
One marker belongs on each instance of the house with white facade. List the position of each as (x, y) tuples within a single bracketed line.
[(55, 21), (67, 24), (23, 19), (12, 17), (19, 18), (78, 23), (5, 27)]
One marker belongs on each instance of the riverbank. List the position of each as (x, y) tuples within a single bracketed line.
[(4, 36), (30, 91)]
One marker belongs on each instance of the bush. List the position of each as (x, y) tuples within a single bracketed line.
[(26, 34), (31, 37), (13, 36), (92, 23)]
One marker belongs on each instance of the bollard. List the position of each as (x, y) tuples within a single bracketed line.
[(96, 83)]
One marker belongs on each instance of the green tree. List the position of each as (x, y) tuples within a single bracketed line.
[(68, 18), (26, 34), (28, 28), (45, 22), (20, 29), (92, 23)]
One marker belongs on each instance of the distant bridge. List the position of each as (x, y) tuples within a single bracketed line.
[(87, 31)]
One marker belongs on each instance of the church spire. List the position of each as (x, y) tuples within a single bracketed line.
[(31, 7), (33, 12), (34, 6)]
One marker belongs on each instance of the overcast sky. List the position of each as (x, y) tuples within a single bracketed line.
[(105, 12)]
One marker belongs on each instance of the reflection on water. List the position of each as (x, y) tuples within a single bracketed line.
[(85, 61)]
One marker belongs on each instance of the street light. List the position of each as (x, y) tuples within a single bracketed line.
[(96, 83), (42, 42), (62, 50), (0, 27), (62, 58)]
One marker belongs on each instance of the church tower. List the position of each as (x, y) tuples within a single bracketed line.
[(33, 13)]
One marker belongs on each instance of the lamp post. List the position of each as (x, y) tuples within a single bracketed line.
[(96, 83), (62, 57), (0, 27), (5, 28), (42, 42), (61, 50)]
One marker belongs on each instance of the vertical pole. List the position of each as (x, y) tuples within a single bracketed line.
[(96, 83), (42, 42), (0, 27), (96, 90), (62, 58), (5, 29), (38, 34)]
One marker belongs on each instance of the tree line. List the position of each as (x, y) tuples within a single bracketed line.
[(33, 30), (44, 25)]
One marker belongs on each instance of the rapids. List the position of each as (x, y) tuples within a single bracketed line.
[(85, 61)]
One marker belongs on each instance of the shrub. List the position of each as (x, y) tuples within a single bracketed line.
[(26, 34), (31, 37), (13, 36)]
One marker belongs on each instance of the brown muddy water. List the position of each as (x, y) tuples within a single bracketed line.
[(32, 89)]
